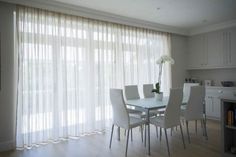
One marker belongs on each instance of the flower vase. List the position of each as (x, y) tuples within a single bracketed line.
[(159, 96)]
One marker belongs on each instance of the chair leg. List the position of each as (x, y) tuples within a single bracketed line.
[(160, 133), (181, 129), (196, 126), (145, 135), (167, 143), (131, 134), (171, 131), (187, 131), (127, 142), (204, 123), (157, 131), (118, 133), (141, 133), (203, 128), (125, 132), (111, 135)]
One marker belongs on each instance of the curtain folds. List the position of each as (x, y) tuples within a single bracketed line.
[(67, 65)]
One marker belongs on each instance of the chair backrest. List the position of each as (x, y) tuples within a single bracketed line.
[(172, 112), (147, 91), (186, 89), (194, 108), (131, 92), (120, 113)]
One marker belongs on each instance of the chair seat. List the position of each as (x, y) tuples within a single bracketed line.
[(158, 121), (183, 110), (134, 122), (140, 114)]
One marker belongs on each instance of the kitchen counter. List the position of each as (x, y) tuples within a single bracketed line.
[(220, 87), (228, 99)]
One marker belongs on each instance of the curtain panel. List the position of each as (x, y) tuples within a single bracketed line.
[(67, 64)]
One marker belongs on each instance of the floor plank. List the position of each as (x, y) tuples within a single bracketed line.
[(97, 145)]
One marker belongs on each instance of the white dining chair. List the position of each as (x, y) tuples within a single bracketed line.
[(121, 117), (147, 91), (186, 89), (131, 93), (195, 108), (186, 93), (171, 117)]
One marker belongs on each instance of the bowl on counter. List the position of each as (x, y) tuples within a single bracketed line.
[(227, 83)]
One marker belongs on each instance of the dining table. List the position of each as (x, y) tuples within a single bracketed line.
[(148, 104)]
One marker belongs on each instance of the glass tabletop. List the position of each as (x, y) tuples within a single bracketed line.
[(151, 103)]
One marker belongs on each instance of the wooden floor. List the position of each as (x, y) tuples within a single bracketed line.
[(97, 145)]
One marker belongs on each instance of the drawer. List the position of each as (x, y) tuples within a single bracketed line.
[(220, 93)]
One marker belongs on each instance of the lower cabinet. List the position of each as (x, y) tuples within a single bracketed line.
[(213, 100), (212, 107)]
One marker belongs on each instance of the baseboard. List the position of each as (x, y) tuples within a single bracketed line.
[(8, 145)]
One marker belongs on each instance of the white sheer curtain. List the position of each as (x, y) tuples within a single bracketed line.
[(67, 65)]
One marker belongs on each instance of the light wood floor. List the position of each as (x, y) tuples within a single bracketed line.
[(97, 145)]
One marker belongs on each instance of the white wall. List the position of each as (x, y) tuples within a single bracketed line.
[(217, 75), (179, 51), (7, 99)]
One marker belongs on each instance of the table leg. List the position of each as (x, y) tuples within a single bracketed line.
[(148, 132)]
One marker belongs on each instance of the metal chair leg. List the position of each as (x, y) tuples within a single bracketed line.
[(203, 128), (131, 134), (141, 133), (145, 135), (167, 143), (204, 123), (111, 135), (118, 133), (160, 133), (187, 131), (196, 126), (181, 129), (127, 142), (157, 132)]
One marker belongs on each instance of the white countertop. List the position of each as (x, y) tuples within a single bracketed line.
[(220, 87), (230, 99)]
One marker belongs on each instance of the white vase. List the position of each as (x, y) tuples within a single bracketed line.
[(159, 96)]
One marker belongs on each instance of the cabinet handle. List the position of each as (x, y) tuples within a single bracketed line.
[(220, 91)]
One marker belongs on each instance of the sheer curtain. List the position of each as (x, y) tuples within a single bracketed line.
[(67, 65)]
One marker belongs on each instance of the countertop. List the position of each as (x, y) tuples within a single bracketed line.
[(228, 99), (220, 87)]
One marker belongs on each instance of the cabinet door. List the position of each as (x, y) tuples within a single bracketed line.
[(214, 49), (196, 53), (232, 47), (216, 107), (209, 106)]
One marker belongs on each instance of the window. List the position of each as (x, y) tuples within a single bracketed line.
[(67, 65)]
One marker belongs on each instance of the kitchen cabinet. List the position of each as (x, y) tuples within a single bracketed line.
[(196, 55), (213, 100), (212, 50), (212, 107), (229, 42)]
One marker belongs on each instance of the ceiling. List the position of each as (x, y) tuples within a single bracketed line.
[(184, 14)]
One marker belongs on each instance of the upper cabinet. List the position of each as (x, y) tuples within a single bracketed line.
[(213, 50), (196, 55), (230, 47)]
